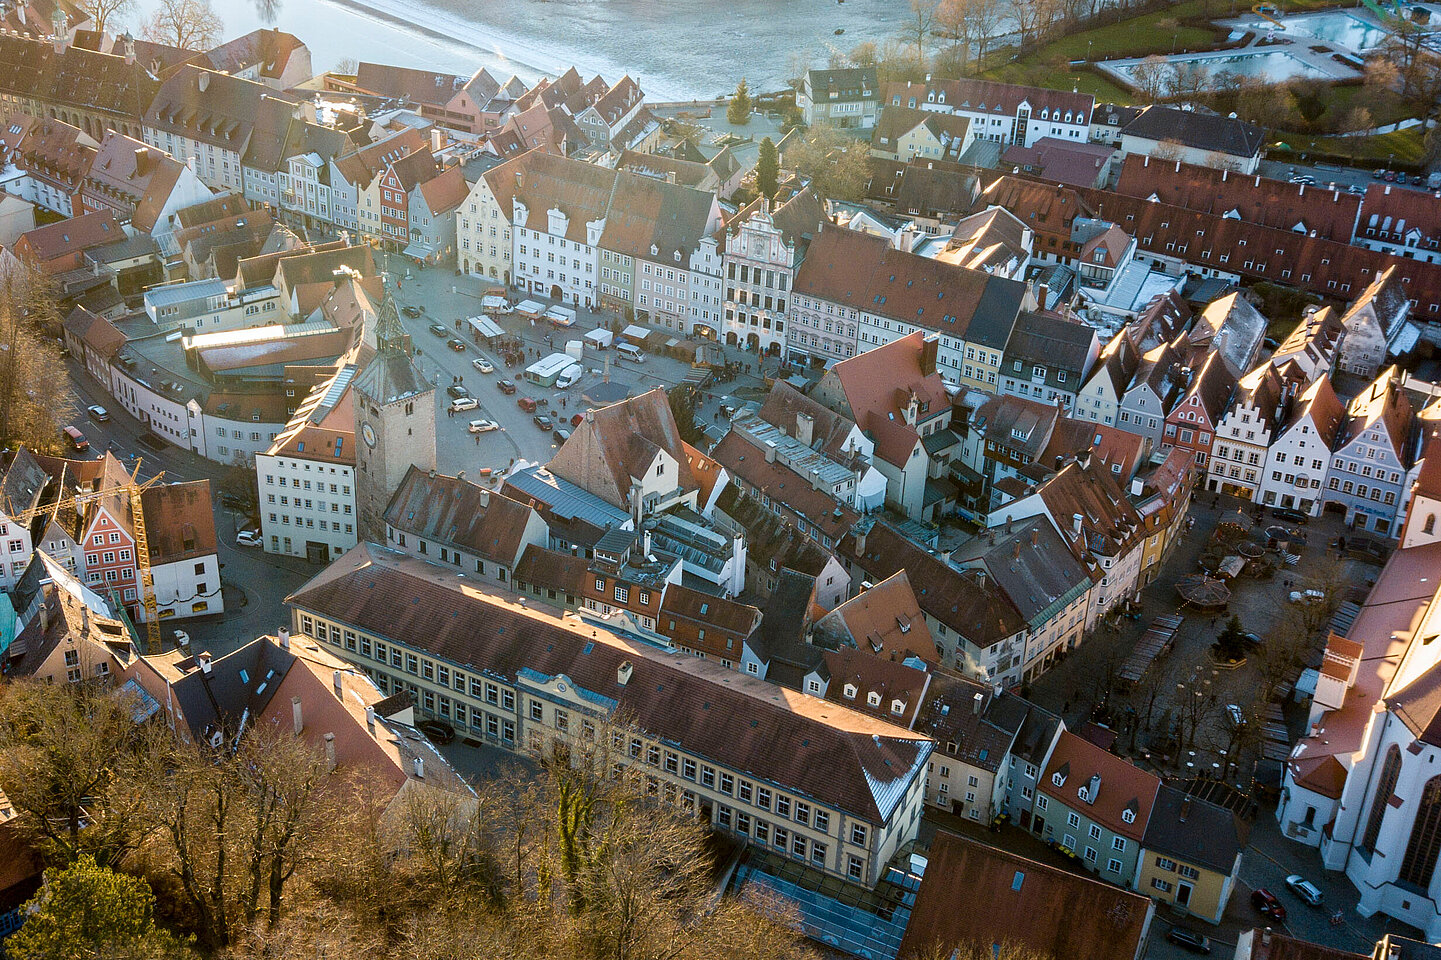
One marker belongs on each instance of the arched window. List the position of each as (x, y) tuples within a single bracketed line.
[(1421, 850), (1390, 770), (1430, 526)]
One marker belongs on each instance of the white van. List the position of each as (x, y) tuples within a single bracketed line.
[(569, 376), (628, 351)]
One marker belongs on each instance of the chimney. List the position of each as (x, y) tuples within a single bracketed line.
[(370, 720), (437, 139), (420, 768), (296, 718), (142, 161), (339, 685), (1137, 485), (484, 498), (981, 576), (1076, 520), (330, 751), (205, 666), (805, 428), (1036, 536), (1185, 809), (929, 348), (283, 637), (203, 82), (645, 544), (770, 452), (815, 479), (623, 672), (1018, 549), (860, 542)]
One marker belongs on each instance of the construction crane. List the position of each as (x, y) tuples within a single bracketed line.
[(132, 491)]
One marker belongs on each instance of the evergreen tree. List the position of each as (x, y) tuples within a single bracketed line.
[(89, 911), (768, 169), (738, 111)]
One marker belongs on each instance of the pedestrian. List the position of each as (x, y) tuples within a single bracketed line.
[(477, 439)]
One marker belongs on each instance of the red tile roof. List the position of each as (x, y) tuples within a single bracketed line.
[(978, 894), (1121, 788)]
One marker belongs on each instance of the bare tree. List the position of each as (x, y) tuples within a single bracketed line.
[(77, 766), (187, 24), (864, 54), (918, 28), (105, 14), (1149, 77), (953, 23), (35, 400), (346, 66)]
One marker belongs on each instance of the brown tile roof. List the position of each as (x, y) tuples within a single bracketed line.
[(218, 109), (978, 612), (71, 237), (1269, 945), (880, 381), (1391, 213), (990, 96), (883, 621), (48, 149), (1192, 128), (98, 639), (1381, 403), (901, 688), (1064, 160), (220, 207), (360, 166), (1055, 913), (31, 69), (1113, 447), (685, 613), (619, 442), (1328, 213), (747, 462), (137, 175), (271, 49), (459, 513), (95, 332), (445, 191), (785, 404), (837, 756), (179, 520), (1109, 524), (553, 569), (772, 544), (411, 83), (1123, 786)]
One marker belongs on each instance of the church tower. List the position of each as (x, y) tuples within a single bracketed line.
[(394, 421)]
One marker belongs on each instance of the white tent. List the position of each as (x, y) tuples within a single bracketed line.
[(601, 337)]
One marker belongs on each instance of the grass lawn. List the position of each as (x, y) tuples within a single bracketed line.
[(1402, 145)]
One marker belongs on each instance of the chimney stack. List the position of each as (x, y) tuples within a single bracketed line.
[(977, 703), (420, 768), (1137, 486), (805, 428), (1185, 809), (205, 666), (484, 498), (283, 636), (370, 720), (1076, 520), (297, 719), (339, 685), (330, 751), (623, 672)]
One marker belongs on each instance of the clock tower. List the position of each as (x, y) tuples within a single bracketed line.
[(394, 421)]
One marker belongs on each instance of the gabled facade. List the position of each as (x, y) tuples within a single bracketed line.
[(1299, 456), (1000, 112), (1192, 424), (1237, 464), (1152, 393), (1375, 327), (1047, 359), (763, 250), (1099, 400), (847, 98), (1372, 456)]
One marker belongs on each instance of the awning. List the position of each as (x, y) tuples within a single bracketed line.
[(635, 333), (486, 327), (418, 251)]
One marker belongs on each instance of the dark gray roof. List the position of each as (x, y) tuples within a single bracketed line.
[(1196, 831), (848, 85), (238, 683), (1200, 131), (996, 314), (1051, 341), (1037, 578), (780, 638), (1034, 738)]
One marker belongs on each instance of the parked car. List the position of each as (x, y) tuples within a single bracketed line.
[(506, 386), (1305, 889), (1378, 173), (440, 329), (248, 538), (1266, 902), (1251, 639), (457, 390), (411, 312), (483, 365), (438, 731), (464, 403), (545, 423), (526, 403), (1192, 940), (561, 434), (1234, 714), (76, 438), (456, 344), (235, 501), (1292, 516), (483, 426), (98, 413)]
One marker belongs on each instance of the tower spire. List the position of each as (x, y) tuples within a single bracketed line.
[(390, 335)]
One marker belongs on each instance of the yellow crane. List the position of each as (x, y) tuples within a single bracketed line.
[(132, 490)]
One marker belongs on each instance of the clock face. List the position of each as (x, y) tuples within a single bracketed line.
[(368, 432)]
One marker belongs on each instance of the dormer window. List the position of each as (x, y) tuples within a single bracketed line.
[(1128, 816), (1058, 778), (873, 698), (898, 707), (850, 691), (1084, 794)]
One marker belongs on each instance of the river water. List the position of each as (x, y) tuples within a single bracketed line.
[(678, 49)]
